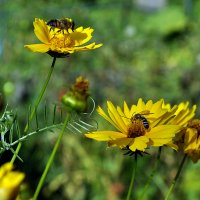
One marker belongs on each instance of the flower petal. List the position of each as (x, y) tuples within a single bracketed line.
[(162, 134), (105, 116), (87, 47), (41, 30), (139, 143), (105, 135), (116, 118), (42, 48), (140, 106), (149, 105), (121, 143), (81, 36), (126, 110)]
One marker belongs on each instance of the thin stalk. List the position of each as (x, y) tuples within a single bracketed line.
[(128, 197), (176, 177), (37, 102), (33, 133), (152, 174), (48, 165)]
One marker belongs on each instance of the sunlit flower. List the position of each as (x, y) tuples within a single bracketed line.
[(139, 127), (182, 115), (59, 43), (10, 182)]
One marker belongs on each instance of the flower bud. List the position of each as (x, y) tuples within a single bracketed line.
[(76, 98), (74, 103)]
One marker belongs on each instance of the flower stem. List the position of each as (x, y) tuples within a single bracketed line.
[(48, 165), (37, 102), (128, 197), (152, 174), (176, 177)]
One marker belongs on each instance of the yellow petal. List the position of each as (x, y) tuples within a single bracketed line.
[(5, 168), (133, 110), (42, 48), (184, 116), (121, 143), (157, 109), (41, 30), (126, 110), (81, 36), (105, 116), (124, 117), (80, 48), (190, 137), (116, 118), (162, 134), (149, 105), (140, 106), (139, 143), (105, 135)]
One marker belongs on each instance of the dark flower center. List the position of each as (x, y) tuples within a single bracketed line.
[(136, 128)]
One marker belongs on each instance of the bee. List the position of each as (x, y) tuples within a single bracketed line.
[(140, 116), (143, 119), (62, 24)]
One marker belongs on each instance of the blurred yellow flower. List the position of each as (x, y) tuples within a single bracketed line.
[(10, 182), (139, 127), (182, 115), (189, 140), (59, 42)]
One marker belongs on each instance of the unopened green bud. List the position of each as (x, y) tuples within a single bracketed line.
[(73, 103)]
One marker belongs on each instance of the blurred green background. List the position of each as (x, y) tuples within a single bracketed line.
[(151, 50)]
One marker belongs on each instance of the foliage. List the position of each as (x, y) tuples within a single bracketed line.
[(151, 55)]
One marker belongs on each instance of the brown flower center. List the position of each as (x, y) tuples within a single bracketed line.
[(136, 128)]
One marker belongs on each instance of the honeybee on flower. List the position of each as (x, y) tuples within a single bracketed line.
[(136, 132), (59, 42)]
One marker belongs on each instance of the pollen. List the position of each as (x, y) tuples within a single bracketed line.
[(62, 41), (136, 129)]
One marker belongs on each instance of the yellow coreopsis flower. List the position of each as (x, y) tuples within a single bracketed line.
[(189, 140), (182, 115), (10, 182), (60, 42), (139, 127)]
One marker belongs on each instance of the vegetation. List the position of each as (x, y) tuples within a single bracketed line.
[(148, 54)]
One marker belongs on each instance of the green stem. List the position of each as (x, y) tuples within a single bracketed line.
[(37, 102), (34, 132), (176, 177), (132, 180), (48, 165), (152, 174)]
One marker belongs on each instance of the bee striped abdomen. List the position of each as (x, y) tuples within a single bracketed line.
[(143, 119)]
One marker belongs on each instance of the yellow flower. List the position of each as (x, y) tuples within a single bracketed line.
[(59, 42), (9, 182), (189, 141), (183, 114), (137, 132)]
